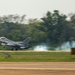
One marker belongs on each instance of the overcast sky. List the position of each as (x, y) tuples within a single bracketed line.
[(35, 8)]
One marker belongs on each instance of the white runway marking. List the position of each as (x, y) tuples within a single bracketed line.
[(15, 68)]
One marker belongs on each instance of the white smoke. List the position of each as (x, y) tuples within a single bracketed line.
[(41, 48), (66, 46), (44, 47)]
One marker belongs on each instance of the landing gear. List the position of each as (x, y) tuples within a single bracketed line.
[(14, 49)]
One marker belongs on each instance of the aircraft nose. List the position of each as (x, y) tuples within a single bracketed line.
[(1, 38)]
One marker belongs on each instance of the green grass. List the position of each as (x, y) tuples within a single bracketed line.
[(36, 57)]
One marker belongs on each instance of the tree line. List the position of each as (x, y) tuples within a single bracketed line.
[(53, 29)]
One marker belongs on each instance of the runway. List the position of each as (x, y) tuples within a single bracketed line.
[(37, 68), (38, 65)]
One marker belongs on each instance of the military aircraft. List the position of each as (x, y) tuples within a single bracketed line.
[(15, 45)]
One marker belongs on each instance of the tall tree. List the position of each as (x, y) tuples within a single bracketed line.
[(54, 25)]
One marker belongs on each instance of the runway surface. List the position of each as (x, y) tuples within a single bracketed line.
[(37, 68)]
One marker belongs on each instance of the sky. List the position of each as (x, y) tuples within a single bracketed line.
[(35, 8)]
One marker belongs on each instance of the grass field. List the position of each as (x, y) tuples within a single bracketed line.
[(36, 57)]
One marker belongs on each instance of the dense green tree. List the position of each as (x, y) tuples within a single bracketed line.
[(55, 25), (53, 29), (35, 30)]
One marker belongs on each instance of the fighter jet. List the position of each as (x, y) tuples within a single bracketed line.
[(15, 45)]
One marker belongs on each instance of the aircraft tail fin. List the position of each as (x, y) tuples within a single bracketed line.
[(26, 41)]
